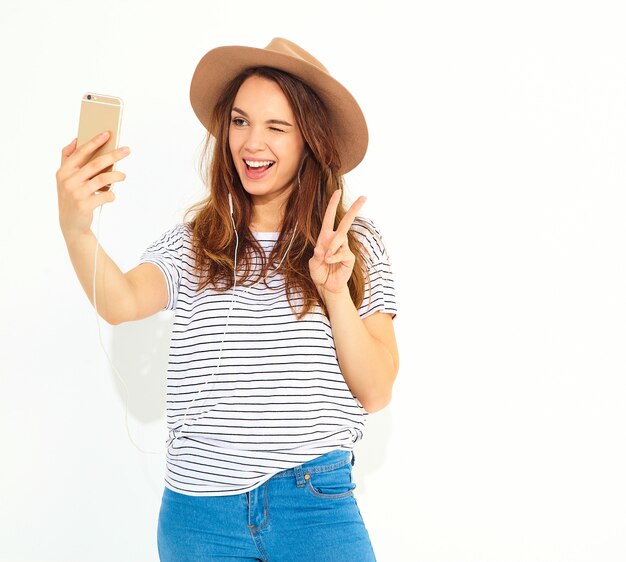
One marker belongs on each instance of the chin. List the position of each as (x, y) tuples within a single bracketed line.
[(257, 189)]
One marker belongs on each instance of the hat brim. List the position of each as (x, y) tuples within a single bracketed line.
[(220, 65)]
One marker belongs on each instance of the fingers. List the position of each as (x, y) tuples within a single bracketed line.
[(318, 253), (99, 198), (80, 158), (325, 257), (331, 211), (101, 182), (68, 150), (343, 255), (103, 163), (338, 250), (341, 235), (348, 219), (92, 144), (339, 242)]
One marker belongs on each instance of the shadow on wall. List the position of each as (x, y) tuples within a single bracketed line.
[(140, 351), (371, 451)]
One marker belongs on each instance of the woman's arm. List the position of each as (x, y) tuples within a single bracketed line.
[(366, 349)]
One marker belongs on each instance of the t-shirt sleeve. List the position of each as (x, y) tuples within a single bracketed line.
[(380, 288), (166, 252)]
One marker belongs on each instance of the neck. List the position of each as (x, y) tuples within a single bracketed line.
[(268, 213), (265, 221), (264, 227)]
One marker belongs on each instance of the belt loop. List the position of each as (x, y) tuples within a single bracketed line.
[(299, 473)]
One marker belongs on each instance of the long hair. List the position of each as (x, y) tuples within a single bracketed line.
[(213, 239)]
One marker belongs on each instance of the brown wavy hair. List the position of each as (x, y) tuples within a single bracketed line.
[(213, 239)]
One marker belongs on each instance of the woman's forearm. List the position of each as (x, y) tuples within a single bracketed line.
[(366, 363), (113, 291)]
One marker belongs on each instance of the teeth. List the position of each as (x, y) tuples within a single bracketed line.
[(254, 164)]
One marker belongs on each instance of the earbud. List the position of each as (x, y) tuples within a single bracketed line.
[(230, 202)]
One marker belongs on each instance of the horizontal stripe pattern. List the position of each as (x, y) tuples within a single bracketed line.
[(252, 390)]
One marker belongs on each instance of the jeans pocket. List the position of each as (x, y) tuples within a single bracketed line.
[(331, 484)]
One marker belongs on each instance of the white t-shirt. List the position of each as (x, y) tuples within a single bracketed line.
[(276, 398)]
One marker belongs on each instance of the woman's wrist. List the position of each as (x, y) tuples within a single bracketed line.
[(329, 296)]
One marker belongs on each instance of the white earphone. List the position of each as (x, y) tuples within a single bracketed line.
[(232, 215), (232, 301)]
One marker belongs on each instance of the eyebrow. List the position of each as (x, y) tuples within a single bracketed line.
[(272, 121)]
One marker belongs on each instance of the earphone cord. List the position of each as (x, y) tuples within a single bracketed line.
[(221, 344), (232, 301), (95, 261)]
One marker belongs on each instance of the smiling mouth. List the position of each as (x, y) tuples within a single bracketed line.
[(258, 172), (260, 168)]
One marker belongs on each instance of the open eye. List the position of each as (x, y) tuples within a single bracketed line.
[(235, 119)]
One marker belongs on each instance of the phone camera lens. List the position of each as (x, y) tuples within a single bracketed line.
[(88, 96)]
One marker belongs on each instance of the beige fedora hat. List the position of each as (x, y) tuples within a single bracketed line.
[(220, 65)]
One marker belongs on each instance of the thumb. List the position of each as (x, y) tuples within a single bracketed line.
[(69, 149)]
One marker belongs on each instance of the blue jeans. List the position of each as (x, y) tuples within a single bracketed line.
[(307, 513)]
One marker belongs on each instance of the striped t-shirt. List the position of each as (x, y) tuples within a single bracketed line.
[(276, 397)]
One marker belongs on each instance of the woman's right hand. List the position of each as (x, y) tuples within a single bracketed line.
[(78, 180)]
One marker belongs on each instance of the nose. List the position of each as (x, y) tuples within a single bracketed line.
[(255, 139)]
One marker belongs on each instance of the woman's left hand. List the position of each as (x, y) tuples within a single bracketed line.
[(332, 261)]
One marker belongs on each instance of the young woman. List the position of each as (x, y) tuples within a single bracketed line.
[(283, 339)]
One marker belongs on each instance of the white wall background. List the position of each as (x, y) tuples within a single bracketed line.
[(496, 173)]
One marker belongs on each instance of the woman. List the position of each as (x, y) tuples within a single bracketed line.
[(283, 339)]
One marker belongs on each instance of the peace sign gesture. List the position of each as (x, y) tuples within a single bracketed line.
[(332, 261)]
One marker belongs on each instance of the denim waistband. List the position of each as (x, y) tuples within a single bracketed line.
[(324, 463)]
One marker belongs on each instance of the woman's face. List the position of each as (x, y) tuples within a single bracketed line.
[(263, 130)]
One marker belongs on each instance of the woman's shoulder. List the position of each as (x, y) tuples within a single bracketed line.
[(364, 226), (370, 236), (175, 238), (181, 231)]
